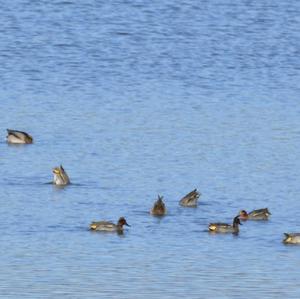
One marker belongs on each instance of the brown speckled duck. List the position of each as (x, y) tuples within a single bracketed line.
[(159, 208)]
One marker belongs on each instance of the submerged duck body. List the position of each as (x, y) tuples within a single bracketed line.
[(18, 137), (159, 208), (224, 227), (60, 176), (260, 214), (191, 199), (291, 238), (107, 226)]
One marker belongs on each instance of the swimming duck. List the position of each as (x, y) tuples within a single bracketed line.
[(107, 226), (225, 228), (291, 238), (191, 199), (260, 214), (159, 208), (18, 137), (60, 176)]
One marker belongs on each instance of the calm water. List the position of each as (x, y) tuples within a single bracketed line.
[(136, 99)]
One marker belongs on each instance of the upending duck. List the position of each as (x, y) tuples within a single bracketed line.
[(159, 208), (225, 228), (260, 214), (191, 199), (60, 176), (291, 238), (107, 226), (18, 137)]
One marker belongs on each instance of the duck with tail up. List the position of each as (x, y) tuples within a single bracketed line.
[(159, 208), (18, 137), (60, 176), (191, 199), (291, 238)]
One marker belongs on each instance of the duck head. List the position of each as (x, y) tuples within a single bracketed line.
[(236, 221), (122, 221), (243, 215)]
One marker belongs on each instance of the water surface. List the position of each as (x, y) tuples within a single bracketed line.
[(137, 99)]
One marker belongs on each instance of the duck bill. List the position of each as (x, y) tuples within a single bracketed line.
[(127, 224)]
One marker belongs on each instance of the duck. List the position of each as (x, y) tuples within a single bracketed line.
[(18, 137), (159, 208), (291, 238), (60, 176), (191, 199), (107, 226), (225, 228), (260, 214)]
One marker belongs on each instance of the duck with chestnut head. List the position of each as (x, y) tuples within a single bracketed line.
[(260, 214)]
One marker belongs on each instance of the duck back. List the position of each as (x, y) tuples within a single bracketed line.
[(191, 199)]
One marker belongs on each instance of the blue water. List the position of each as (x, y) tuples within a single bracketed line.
[(136, 99)]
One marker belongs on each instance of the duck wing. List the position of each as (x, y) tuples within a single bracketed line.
[(16, 133), (292, 234), (260, 212), (221, 224), (102, 223), (192, 196), (218, 226)]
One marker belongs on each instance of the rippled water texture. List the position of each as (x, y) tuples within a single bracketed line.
[(139, 98)]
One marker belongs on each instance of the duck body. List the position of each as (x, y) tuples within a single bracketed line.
[(159, 208), (291, 238), (18, 137), (60, 176), (107, 226), (191, 199), (224, 227), (260, 214)]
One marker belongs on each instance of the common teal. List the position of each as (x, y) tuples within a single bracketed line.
[(107, 226), (191, 199), (260, 214), (18, 137), (224, 227), (159, 208), (291, 238), (60, 176)]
